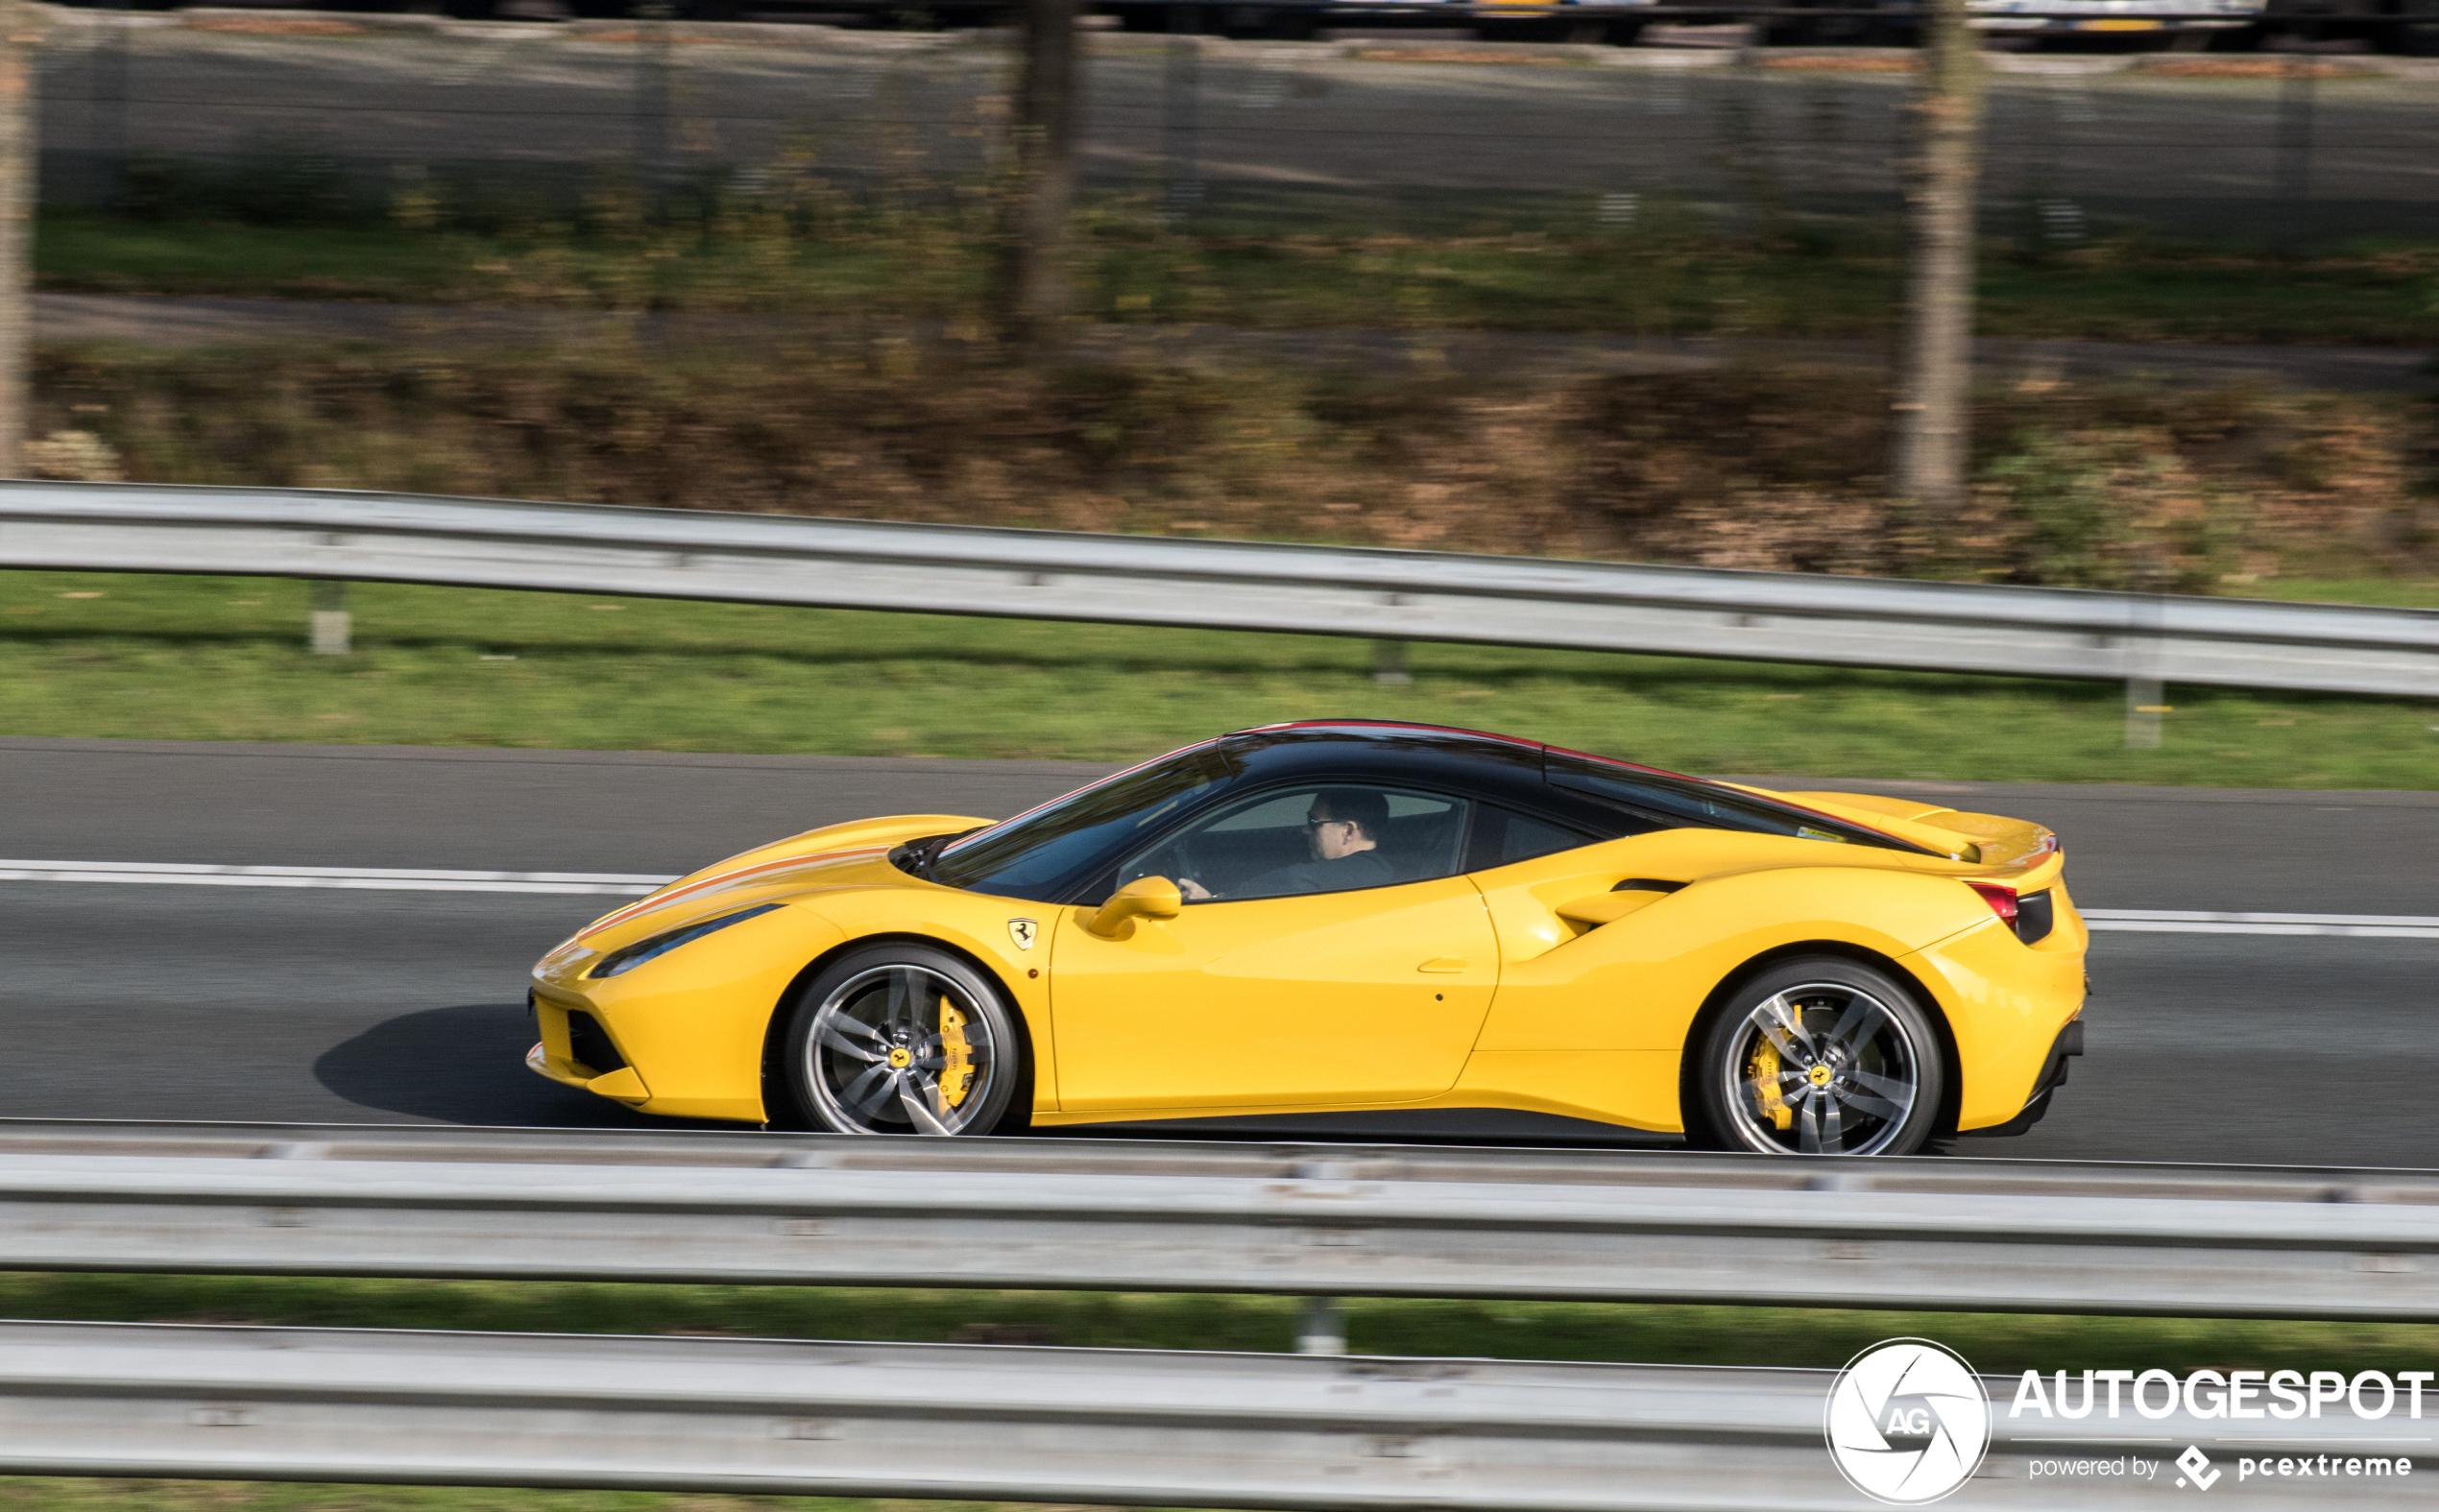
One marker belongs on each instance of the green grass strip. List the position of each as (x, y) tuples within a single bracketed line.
[(2000, 1343), (1490, 271), (123, 656)]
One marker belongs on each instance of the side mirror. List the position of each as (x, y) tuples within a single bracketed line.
[(1144, 898)]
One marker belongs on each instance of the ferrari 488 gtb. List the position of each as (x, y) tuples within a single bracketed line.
[(1347, 918)]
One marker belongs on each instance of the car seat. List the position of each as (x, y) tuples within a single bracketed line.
[(1419, 847)]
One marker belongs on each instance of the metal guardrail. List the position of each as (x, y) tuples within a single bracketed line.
[(1900, 12), (1089, 1426), (1207, 15), (1384, 595), (1158, 1215)]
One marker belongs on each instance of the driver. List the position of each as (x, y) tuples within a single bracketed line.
[(1342, 829)]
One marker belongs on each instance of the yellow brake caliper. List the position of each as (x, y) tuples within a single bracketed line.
[(956, 1071), (1763, 1068)]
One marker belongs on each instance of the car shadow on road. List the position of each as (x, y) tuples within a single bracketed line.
[(467, 1064)]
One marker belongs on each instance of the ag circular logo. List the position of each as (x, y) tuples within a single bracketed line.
[(1907, 1421)]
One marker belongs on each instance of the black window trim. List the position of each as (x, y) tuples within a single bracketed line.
[(1829, 826), (1477, 858)]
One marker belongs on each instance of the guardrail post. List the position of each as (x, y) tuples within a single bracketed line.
[(2145, 703), (2146, 697), (1389, 662), (1323, 1328), (334, 627)]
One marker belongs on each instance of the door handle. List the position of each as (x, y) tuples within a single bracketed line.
[(1444, 962)]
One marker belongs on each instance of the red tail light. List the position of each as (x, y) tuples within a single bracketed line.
[(2002, 899)]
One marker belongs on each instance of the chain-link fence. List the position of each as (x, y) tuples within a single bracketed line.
[(267, 115)]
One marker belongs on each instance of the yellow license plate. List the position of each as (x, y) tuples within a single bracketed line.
[(2119, 24)]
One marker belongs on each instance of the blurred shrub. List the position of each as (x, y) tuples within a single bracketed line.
[(2086, 510), (78, 456), (1765, 467), (270, 182)]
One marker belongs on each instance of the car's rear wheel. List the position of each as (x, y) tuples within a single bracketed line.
[(1821, 1056), (904, 1039)]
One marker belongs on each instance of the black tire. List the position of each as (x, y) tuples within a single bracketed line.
[(871, 1048), (1817, 1055)]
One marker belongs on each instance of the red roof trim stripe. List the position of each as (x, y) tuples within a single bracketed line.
[(1391, 724)]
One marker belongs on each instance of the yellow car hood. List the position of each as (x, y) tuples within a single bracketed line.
[(851, 854)]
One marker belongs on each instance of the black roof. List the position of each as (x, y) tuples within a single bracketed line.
[(1601, 794), (1467, 760), (1596, 797)]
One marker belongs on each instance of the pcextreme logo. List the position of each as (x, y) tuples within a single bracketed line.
[(2196, 1466), (1907, 1421)]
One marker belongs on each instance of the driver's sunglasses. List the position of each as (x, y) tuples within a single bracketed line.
[(1312, 824)]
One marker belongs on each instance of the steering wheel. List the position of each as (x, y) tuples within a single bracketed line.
[(1182, 862), (1174, 860), (1159, 861)]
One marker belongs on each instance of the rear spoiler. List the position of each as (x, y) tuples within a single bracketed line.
[(1989, 840)]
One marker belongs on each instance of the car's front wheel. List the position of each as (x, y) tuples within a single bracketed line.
[(1819, 1056), (904, 1039)]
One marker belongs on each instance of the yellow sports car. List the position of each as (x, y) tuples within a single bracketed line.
[(1349, 916)]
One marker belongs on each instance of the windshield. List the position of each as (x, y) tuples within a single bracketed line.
[(1683, 801), (1033, 855)]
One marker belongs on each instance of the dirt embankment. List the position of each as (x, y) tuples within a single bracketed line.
[(1769, 468)]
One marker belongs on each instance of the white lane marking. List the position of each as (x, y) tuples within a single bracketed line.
[(2185, 920), (619, 884)]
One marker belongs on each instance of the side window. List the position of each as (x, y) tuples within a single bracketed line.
[(1503, 836), (1329, 837), (1664, 800)]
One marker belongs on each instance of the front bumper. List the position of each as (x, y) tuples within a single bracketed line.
[(685, 1033), (553, 1057)]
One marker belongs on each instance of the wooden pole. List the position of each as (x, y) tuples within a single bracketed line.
[(17, 167), (1034, 291), (1935, 359)]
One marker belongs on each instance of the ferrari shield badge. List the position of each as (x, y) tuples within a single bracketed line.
[(1023, 932)]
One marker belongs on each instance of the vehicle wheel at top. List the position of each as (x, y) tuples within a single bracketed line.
[(904, 1039), (1819, 1056)]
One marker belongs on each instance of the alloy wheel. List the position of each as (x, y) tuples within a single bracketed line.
[(1820, 1069), (901, 1050)]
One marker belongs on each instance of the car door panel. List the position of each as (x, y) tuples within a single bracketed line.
[(1364, 996)]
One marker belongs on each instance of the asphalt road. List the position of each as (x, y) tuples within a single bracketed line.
[(140, 1001), (1312, 125)]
